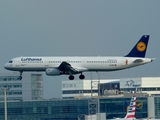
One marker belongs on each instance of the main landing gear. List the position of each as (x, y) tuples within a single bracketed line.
[(71, 77), (81, 77)]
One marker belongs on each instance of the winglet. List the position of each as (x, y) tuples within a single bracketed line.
[(140, 48)]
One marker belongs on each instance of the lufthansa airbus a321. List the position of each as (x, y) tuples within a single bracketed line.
[(54, 66)]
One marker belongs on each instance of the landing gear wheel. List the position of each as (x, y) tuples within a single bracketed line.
[(20, 77), (81, 77), (71, 77)]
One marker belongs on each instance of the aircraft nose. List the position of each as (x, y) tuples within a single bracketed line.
[(6, 66)]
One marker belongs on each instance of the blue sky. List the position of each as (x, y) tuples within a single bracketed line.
[(79, 28)]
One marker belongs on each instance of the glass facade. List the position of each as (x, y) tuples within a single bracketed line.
[(116, 107), (157, 107), (37, 86), (68, 109), (45, 110)]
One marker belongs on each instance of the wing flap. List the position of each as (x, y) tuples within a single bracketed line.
[(67, 68), (64, 66)]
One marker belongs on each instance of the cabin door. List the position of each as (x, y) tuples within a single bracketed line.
[(18, 63), (83, 62), (46, 63)]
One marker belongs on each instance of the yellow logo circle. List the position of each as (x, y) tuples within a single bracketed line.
[(141, 46), (139, 104), (127, 108)]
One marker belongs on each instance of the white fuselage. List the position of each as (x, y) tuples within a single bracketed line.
[(80, 64)]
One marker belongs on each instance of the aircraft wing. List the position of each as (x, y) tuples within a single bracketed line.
[(64, 66)]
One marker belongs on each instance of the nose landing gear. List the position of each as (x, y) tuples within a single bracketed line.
[(20, 77)]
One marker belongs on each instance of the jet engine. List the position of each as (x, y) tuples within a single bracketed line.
[(53, 71)]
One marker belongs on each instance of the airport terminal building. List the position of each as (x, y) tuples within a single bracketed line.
[(70, 109), (29, 88), (86, 97), (149, 86)]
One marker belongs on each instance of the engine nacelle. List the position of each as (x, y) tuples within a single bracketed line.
[(53, 71)]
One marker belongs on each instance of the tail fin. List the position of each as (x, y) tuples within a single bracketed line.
[(140, 48), (132, 108)]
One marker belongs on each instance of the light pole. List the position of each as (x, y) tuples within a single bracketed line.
[(99, 84), (5, 102), (99, 117), (91, 86)]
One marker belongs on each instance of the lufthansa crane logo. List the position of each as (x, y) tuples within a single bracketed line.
[(139, 104), (141, 46)]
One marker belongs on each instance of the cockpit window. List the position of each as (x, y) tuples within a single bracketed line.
[(10, 61)]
